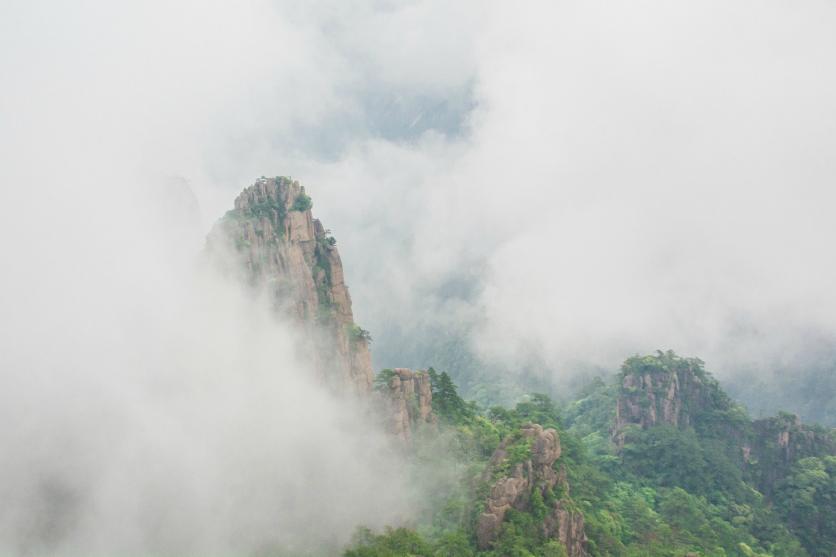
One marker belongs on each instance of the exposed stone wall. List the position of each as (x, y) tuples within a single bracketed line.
[(670, 397), (278, 246), (779, 442), (567, 526), (409, 401), (514, 489), (668, 390)]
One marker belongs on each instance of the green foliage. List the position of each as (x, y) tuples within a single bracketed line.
[(327, 239), (271, 209), (538, 505), (357, 333), (669, 457), (539, 409), (749, 552), (595, 410), (807, 501), (662, 362), (302, 203), (447, 404), (670, 492), (480, 435), (517, 450), (520, 536), (397, 542), (554, 549), (382, 379), (453, 544)]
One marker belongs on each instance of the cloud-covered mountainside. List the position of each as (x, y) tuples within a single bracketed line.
[(657, 460), (536, 479), (524, 196), (230, 407), (554, 185)]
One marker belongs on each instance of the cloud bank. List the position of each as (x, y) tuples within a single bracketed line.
[(147, 406), (562, 182), (633, 177)]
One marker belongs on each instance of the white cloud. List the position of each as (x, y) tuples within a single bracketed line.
[(632, 176)]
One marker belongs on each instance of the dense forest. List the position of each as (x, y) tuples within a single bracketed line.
[(659, 461)]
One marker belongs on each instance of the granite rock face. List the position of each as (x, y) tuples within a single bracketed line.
[(777, 443), (408, 398), (668, 390), (271, 239), (515, 481), (662, 390), (567, 526)]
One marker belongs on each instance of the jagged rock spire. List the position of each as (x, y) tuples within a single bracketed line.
[(280, 247)]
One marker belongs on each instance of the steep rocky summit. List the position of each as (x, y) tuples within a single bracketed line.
[(523, 477), (274, 241), (664, 390), (668, 390)]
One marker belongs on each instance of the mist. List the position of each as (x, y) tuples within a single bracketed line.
[(561, 184), (148, 406), (632, 177)]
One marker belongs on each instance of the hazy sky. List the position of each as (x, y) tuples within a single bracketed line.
[(629, 176), (573, 181)]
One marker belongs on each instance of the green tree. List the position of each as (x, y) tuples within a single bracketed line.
[(447, 404), (302, 203), (539, 409), (394, 542), (669, 457), (807, 500)]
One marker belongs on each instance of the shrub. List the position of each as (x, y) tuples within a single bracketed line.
[(383, 378), (359, 333), (302, 203)]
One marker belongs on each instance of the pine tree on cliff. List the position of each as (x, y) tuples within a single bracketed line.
[(447, 403)]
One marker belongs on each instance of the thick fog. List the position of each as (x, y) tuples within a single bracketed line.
[(558, 182), (147, 406), (631, 177)]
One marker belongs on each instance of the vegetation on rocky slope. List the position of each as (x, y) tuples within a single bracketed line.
[(660, 462)]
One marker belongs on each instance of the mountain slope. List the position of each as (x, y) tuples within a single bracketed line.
[(660, 462)]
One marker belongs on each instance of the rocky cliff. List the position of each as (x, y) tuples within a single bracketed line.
[(407, 398), (664, 389), (274, 241), (776, 443), (522, 476)]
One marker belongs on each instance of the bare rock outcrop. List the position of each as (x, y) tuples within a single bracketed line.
[(408, 398), (522, 469), (567, 526), (777, 443), (271, 238), (662, 390)]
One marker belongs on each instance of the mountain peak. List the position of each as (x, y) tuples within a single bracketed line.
[(282, 249)]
